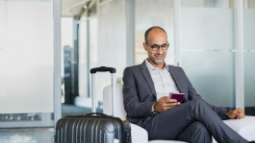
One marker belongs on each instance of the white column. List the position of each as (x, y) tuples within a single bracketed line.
[(177, 23), (130, 28), (239, 57), (57, 60)]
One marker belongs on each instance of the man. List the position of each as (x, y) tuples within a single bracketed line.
[(146, 100)]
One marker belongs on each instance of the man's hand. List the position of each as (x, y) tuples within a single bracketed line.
[(165, 104), (235, 114)]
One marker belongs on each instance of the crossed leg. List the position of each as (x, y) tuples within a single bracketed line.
[(195, 133), (172, 123)]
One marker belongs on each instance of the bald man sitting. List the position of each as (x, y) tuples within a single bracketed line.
[(146, 92)]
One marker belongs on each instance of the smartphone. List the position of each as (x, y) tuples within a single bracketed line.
[(177, 96)]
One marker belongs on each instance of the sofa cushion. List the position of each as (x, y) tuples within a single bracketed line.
[(245, 127)]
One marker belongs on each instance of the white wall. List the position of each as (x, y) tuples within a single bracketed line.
[(150, 13), (112, 35), (110, 49)]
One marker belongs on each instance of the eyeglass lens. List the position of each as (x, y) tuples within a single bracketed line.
[(156, 46)]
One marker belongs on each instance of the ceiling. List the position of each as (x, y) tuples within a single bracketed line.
[(75, 8)]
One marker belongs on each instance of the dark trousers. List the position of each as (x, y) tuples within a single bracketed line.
[(193, 121)]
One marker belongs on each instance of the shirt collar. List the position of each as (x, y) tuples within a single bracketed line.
[(151, 67)]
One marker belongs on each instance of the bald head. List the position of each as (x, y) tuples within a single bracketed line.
[(156, 46), (153, 29)]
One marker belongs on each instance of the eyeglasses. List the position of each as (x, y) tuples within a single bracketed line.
[(156, 47)]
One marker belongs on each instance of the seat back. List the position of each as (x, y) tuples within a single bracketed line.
[(107, 101)]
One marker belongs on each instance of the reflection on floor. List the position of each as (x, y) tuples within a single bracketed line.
[(28, 135), (39, 135), (76, 110)]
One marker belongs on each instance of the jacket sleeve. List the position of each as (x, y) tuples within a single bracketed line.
[(132, 104), (221, 111)]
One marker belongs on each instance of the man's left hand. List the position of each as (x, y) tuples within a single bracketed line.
[(236, 114)]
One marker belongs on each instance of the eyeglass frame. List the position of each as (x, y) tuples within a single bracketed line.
[(158, 46)]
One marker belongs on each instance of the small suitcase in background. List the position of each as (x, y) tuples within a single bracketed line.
[(93, 127)]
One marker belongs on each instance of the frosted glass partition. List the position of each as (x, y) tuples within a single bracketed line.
[(211, 74), (150, 13), (206, 45), (249, 57), (207, 29), (249, 79), (26, 58)]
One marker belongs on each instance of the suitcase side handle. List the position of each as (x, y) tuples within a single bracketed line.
[(103, 69)]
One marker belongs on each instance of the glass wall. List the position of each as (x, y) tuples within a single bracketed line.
[(26, 61), (67, 45), (102, 43), (249, 55), (87, 47), (75, 60), (206, 52)]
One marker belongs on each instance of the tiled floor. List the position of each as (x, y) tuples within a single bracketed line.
[(28, 135), (38, 135)]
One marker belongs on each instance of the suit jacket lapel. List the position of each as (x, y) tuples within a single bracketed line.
[(178, 83), (173, 75), (148, 78)]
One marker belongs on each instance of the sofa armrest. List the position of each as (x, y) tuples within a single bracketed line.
[(245, 127), (138, 134)]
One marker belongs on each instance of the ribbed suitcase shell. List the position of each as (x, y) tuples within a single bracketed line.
[(92, 128)]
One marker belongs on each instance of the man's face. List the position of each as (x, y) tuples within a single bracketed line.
[(156, 37)]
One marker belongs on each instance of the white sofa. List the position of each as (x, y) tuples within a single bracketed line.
[(245, 127)]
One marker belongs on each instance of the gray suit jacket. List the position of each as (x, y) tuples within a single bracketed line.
[(140, 95)]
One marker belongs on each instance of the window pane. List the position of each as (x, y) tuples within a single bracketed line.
[(26, 57)]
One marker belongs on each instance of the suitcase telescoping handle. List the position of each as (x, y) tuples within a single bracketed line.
[(103, 69), (93, 71)]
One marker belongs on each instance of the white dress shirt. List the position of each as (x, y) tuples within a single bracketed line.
[(163, 82)]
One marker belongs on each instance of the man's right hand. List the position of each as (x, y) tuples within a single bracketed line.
[(165, 104)]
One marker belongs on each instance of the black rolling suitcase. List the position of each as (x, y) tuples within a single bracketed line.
[(93, 127)]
